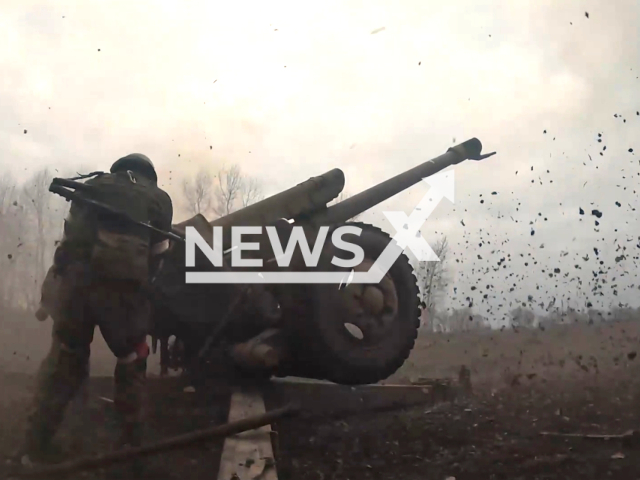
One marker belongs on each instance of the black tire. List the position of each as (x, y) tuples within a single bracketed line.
[(324, 349)]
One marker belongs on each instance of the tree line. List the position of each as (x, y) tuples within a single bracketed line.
[(32, 219), (434, 280), (32, 222)]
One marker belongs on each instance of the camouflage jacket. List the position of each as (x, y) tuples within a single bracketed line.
[(127, 192)]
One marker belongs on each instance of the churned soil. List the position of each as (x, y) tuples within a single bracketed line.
[(566, 380), (495, 436), (570, 379)]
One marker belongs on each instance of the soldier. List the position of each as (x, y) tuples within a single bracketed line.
[(99, 277)]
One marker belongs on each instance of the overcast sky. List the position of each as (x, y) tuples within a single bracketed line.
[(291, 89)]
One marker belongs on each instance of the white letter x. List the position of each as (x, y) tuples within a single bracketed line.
[(408, 228)]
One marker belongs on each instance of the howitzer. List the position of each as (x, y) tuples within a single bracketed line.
[(347, 333)]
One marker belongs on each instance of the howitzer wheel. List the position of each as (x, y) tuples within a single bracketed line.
[(359, 334)]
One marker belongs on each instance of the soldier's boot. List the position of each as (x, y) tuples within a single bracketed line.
[(59, 378), (129, 399)]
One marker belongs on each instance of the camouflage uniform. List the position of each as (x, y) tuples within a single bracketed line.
[(99, 278)]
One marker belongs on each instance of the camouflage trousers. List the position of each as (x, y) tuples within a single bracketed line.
[(77, 304)]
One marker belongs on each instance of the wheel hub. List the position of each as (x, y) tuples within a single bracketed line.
[(372, 308)]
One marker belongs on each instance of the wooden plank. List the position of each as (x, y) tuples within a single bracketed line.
[(249, 455), (331, 399)]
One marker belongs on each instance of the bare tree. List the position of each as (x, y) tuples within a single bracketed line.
[(220, 193), (198, 193), (10, 227), (250, 191), (234, 190), (228, 190), (7, 190), (522, 317), (432, 277), (458, 320), (36, 197)]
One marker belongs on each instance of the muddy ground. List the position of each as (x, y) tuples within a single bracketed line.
[(569, 379)]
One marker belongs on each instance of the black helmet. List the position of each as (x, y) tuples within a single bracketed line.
[(137, 163)]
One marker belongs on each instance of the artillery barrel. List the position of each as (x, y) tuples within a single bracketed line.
[(302, 199), (363, 201)]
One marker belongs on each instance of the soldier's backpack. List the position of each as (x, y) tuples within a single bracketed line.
[(117, 249)]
